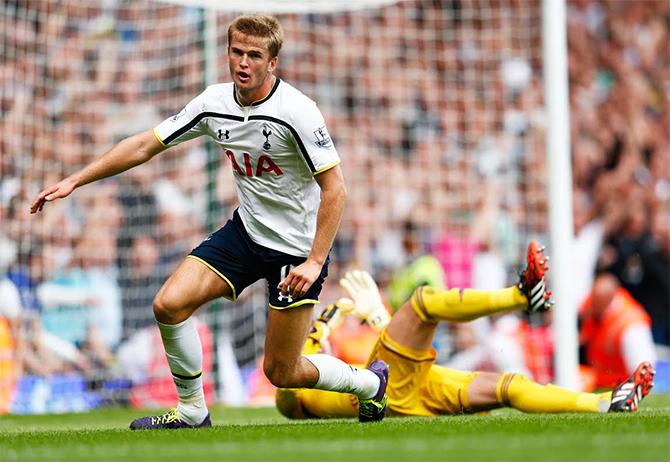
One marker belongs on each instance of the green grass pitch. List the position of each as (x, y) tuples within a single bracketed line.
[(262, 434)]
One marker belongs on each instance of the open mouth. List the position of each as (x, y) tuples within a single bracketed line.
[(243, 76)]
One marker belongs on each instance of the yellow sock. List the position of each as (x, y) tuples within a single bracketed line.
[(519, 392), (462, 305)]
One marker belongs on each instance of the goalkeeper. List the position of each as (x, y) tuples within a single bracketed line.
[(417, 386)]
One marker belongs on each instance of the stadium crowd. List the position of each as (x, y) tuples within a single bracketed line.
[(421, 118)]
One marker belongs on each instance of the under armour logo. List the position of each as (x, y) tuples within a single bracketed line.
[(287, 297), (223, 133), (266, 134)]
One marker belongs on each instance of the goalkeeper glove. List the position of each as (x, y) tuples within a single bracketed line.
[(367, 303)]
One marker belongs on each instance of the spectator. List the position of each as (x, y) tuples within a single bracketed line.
[(419, 268), (41, 352), (10, 341), (615, 334)]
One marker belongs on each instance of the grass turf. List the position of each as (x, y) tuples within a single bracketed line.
[(261, 434)]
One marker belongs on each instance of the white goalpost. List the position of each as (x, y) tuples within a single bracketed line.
[(554, 41)]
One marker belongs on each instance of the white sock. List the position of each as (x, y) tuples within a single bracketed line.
[(184, 354), (336, 375)]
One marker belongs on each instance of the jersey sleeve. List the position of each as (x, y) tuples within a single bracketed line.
[(313, 139), (188, 124)]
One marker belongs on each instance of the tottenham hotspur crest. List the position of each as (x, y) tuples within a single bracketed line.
[(266, 133)]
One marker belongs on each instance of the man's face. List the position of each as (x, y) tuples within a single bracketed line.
[(250, 63)]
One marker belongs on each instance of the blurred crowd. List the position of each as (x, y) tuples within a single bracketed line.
[(436, 109)]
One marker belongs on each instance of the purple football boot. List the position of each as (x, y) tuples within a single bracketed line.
[(374, 409), (169, 420)]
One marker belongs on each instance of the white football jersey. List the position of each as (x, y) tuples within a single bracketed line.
[(275, 146)]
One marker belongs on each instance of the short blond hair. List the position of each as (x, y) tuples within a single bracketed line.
[(265, 27)]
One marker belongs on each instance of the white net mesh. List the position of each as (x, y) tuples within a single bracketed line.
[(435, 108)]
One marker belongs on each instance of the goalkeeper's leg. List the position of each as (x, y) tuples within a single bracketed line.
[(307, 403), (462, 305), (492, 390)]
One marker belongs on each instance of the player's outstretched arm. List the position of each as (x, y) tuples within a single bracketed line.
[(128, 153), (333, 198)]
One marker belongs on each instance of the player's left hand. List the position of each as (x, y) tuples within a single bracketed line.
[(300, 279)]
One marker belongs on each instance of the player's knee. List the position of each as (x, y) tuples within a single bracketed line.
[(166, 310), (483, 392), (281, 375), (418, 304)]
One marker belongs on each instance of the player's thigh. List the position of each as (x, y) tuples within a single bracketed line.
[(289, 318), (286, 334), (232, 256), (191, 285)]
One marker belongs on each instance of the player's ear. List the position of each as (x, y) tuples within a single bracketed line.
[(272, 65)]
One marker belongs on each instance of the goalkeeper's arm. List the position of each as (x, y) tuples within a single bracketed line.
[(366, 299)]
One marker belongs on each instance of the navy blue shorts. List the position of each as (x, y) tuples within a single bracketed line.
[(231, 254)]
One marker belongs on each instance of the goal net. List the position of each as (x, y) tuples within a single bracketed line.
[(435, 107)]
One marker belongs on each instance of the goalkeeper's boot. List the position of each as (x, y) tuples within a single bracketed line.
[(169, 420), (374, 409), (532, 282), (627, 396)]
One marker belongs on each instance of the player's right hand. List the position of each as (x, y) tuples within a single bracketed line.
[(300, 279), (57, 191), (368, 302)]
